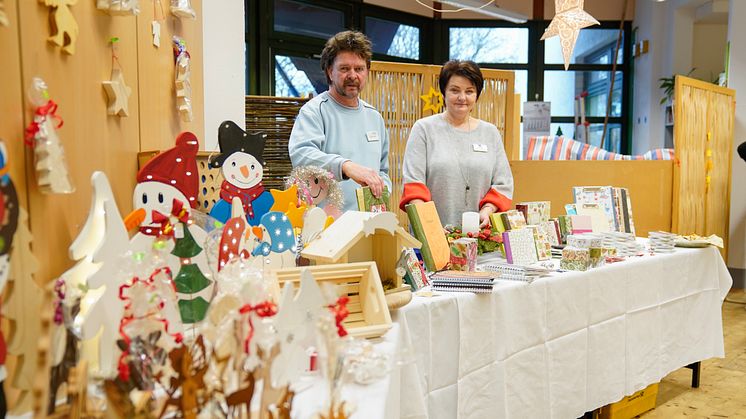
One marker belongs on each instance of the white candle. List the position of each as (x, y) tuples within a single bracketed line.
[(470, 222)]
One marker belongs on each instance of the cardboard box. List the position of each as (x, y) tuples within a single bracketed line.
[(631, 406)]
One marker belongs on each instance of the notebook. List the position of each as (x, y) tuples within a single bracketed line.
[(368, 203), (601, 195), (413, 273), (513, 219), (460, 281), (535, 212), (520, 248), (428, 230)]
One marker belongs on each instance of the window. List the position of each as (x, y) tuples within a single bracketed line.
[(307, 20), (594, 46), (393, 38), (562, 88), (298, 77), (489, 45)]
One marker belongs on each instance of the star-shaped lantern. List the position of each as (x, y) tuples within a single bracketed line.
[(283, 199), (433, 101), (118, 93), (568, 20)]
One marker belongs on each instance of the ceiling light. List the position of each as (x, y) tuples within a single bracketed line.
[(489, 10)]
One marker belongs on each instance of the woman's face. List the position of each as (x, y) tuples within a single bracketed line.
[(460, 96)]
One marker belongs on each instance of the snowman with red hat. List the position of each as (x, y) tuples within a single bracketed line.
[(165, 194), (241, 164)]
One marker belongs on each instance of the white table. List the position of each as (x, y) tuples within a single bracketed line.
[(565, 344)]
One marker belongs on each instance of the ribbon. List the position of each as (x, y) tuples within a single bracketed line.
[(42, 111), (178, 210), (263, 309), (340, 311), (122, 367)]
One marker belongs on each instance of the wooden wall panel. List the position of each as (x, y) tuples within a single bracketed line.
[(650, 193), (159, 120), (92, 139)]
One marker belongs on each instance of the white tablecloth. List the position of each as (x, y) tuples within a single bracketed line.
[(562, 345)]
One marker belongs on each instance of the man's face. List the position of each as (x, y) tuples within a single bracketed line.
[(348, 74)]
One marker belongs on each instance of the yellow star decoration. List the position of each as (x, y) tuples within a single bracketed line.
[(295, 214), (568, 20), (283, 199), (118, 93), (433, 101)]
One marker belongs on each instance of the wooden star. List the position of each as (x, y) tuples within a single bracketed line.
[(283, 199), (295, 214), (433, 101), (118, 93), (568, 20)]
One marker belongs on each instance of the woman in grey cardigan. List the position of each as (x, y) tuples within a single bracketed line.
[(455, 160)]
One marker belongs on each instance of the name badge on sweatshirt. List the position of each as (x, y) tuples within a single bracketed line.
[(479, 148), (372, 136)]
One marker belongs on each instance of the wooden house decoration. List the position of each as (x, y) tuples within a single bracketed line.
[(362, 237), (369, 315)]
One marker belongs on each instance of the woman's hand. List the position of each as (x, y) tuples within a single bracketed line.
[(484, 214)]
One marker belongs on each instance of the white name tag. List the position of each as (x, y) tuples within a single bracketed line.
[(372, 136), (479, 148)]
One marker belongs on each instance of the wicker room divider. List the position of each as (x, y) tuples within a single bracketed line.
[(704, 115), (394, 89)]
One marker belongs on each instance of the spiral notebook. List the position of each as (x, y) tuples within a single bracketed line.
[(460, 281)]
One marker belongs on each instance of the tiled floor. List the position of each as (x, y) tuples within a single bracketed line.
[(722, 392)]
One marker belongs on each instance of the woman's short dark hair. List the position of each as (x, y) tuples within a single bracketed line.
[(468, 69), (352, 41)]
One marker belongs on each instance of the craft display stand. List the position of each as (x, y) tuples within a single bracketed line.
[(369, 316)]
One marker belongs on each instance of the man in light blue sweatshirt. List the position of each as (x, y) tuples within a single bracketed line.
[(337, 130)]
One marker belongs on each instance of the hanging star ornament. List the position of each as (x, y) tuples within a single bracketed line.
[(433, 101), (118, 93), (568, 20)]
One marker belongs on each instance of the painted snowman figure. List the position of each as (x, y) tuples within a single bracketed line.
[(276, 241), (240, 161), (166, 191)]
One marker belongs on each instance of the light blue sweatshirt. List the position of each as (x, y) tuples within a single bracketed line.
[(327, 134)]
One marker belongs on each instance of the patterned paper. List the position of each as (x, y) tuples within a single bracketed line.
[(602, 195), (513, 220), (464, 254), (580, 224), (543, 247), (574, 259), (599, 219), (551, 230), (565, 227), (535, 212), (520, 248)]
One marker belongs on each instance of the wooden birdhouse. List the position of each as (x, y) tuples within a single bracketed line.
[(363, 237)]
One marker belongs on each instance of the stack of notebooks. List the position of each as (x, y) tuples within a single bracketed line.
[(461, 281), (515, 273), (614, 203)]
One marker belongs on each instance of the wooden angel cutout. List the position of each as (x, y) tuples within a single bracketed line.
[(64, 27), (183, 9), (183, 82)]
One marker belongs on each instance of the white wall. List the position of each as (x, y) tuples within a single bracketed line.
[(708, 50), (224, 65), (737, 81)]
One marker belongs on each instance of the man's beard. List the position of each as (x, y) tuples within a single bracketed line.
[(342, 92)]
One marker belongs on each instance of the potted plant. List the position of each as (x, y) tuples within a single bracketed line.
[(668, 84)]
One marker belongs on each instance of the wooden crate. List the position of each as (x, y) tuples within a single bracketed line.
[(631, 406), (369, 316)]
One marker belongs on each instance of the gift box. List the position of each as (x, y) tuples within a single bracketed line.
[(584, 241), (575, 259), (464, 254), (535, 212), (597, 257)]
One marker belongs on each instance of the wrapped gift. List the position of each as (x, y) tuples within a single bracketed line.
[(574, 259), (584, 241), (535, 212), (464, 254)]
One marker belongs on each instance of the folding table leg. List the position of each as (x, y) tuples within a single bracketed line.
[(696, 369)]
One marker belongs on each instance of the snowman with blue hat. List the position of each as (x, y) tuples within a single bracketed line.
[(242, 166)]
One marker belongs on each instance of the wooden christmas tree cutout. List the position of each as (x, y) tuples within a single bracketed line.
[(64, 27), (118, 93)]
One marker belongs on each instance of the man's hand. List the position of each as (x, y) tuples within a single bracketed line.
[(484, 214), (364, 176)]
